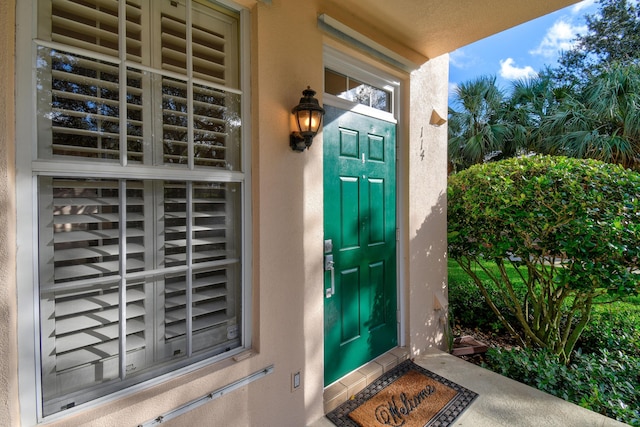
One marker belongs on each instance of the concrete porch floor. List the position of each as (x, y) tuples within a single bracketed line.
[(502, 401)]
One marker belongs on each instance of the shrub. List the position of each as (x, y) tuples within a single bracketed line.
[(613, 327), (605, 382), (468, 307), (467, 304), (568, 227)]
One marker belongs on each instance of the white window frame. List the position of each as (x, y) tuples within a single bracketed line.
[(342, 63), (29, 383)]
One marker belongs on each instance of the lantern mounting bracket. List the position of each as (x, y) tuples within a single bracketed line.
[(299, 143)]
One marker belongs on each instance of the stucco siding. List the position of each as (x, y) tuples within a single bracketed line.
[(287, 202), (8, 308), (427, 160)]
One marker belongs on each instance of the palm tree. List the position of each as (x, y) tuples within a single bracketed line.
[(531, 100), (476, 130), (601, 121)]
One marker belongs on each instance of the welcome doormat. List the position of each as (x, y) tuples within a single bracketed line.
[(407, 396)]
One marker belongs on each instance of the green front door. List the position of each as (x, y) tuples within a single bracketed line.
[(360, 234)]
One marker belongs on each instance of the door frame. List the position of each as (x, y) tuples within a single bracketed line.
[(364, 71)]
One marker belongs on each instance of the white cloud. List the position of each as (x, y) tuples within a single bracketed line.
[(509, 71), (459, 59), (558, 38), (579, 7)]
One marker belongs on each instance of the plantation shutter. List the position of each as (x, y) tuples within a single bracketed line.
[(213, 121), (135, 273), (94, 25), (201, 210), (85, 91), (81, 243)]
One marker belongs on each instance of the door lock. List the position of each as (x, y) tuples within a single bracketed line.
[(328, 262), (329, 266)]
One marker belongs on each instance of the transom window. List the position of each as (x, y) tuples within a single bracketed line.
[(353, 90), (141, 192)]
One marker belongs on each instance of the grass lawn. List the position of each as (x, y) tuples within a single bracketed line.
[(604, 373), (629, 307)]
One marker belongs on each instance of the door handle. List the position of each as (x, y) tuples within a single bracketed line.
[(329, 266)]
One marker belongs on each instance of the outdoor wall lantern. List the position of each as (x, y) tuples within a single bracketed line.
[(308, 119)]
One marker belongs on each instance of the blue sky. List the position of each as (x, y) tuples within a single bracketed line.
[(520, 51)]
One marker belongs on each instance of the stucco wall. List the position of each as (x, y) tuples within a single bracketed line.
[(427, 184), (287, 236), (8, 309)]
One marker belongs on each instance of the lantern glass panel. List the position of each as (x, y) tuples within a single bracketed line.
[(315, 119), (304, 120)]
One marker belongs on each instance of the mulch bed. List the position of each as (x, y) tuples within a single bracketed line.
[(491, 339)]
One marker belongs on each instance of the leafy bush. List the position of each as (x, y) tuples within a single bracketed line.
[(467, 305), (605, 382), (568, 227), (614, 327)]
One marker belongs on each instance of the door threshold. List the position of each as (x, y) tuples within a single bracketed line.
[(343, 389)]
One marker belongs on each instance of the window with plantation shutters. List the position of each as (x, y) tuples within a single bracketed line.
[(140, 192)]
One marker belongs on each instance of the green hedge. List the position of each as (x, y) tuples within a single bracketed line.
[(569, 228)]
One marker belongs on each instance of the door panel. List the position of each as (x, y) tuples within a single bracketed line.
[(350, 296), (349, 212), (359, 212), (376, 211)]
